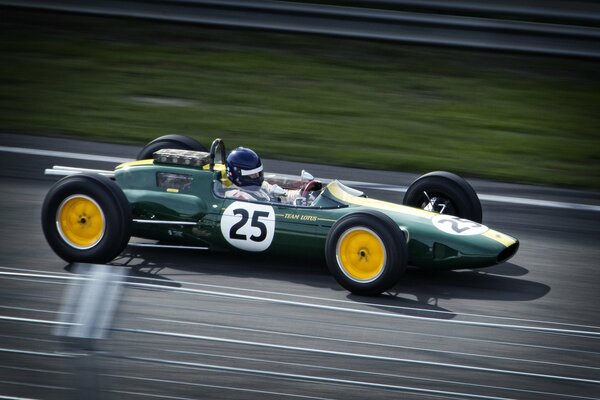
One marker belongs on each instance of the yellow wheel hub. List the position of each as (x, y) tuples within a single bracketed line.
[(361, 254), (80, 222)]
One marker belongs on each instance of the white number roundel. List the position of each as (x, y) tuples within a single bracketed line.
[(248, 226), (458, 226)]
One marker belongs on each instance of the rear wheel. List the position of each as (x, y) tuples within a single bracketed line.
[(444, 193), (366, 252), (170, 142), (86, 218)]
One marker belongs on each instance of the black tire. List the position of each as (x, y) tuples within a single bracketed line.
[(463, 201), (373, 225), (170, 142), (86, 203)]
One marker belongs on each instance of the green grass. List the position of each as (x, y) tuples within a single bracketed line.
[(335, 101)]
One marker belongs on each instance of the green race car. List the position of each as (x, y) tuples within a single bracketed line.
[(176, 195)]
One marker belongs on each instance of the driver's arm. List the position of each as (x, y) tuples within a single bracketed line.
[(238, 194), (277, 192), (285, 195)]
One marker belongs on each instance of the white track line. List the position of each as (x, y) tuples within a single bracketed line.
[(201, 292), (309, 378), (195, 384), (63, 154), (370, 373), (371, 304), (374, 313), (365, 303), (365, 343), (20, 271), (34, 321), (356, 355), (484, 197), (34, 353)]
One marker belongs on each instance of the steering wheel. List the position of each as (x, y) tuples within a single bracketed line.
[(310, 186), (217, 143)]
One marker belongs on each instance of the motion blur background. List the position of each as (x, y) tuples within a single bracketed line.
[(503, 90)]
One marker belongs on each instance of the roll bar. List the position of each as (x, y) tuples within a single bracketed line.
[(217, 143)]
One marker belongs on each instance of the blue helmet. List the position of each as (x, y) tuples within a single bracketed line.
[(244, 167)]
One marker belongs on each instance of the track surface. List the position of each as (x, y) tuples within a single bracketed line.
[(215, 326)]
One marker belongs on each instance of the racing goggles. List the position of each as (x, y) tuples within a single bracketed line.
[(252, 177)]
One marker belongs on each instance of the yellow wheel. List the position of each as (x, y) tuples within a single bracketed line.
[(360, 254), (86, 218), (366, 252), (80, 221)]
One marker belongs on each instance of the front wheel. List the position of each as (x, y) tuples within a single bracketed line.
[(444, 193), (86, 218), (366, 252)]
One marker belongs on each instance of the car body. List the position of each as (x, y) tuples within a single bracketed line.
[(177, 199)]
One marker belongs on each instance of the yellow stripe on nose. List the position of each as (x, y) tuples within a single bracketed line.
[(499, 237)]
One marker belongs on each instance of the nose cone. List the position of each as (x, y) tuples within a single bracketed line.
[(485, 250), (508, 252), (456, 243)]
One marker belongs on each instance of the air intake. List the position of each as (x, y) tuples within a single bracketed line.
[(508, 252)]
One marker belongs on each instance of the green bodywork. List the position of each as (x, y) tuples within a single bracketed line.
[(184, 209)]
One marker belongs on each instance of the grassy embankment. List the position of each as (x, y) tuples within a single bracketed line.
[(335, 101)]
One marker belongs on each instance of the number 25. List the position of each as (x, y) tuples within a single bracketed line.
[(233, 233)]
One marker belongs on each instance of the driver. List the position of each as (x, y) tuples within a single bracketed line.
[(245, 171)]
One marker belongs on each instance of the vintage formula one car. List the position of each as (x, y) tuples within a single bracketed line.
[(174, 194)]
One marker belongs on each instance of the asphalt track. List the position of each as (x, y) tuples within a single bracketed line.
[(191, 324)]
